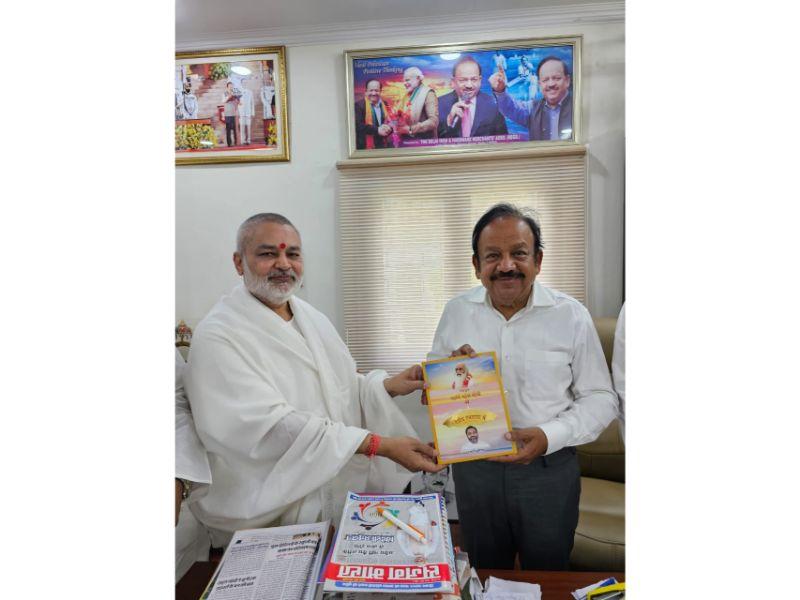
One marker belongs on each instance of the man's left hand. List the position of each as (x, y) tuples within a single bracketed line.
[(531, 444), (405, 382)]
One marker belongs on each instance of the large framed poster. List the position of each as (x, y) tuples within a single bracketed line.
[(230, 106), (475, 97)]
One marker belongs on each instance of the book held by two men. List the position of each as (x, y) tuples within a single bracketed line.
[(467, 408)]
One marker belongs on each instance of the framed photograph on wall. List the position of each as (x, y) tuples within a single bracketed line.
[(230, 106), (475, 97)]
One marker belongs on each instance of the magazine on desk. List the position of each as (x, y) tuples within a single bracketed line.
[(274, 563), (393, 544), (467, 407)]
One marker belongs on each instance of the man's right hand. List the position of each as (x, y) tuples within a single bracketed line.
[(498, 81), (410, 453), (465, 350), (456, 111)]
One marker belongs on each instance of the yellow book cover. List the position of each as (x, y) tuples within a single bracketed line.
[(467, 408)]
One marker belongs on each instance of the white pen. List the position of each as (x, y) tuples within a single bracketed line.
[(412, 531)]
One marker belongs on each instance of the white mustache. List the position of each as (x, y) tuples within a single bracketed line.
[(277, 273)]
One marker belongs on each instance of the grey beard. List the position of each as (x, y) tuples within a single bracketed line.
[(270, 293)]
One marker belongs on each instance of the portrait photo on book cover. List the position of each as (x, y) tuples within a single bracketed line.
[(467, 407)]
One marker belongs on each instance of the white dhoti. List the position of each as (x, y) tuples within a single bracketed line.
[(281, 414)]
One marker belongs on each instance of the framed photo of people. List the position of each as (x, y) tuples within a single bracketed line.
[(231, 106), (474, 97)]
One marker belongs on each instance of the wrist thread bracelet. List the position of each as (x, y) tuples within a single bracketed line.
[(374, 442)]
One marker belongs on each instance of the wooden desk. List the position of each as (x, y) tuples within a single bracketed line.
[(556, 585)]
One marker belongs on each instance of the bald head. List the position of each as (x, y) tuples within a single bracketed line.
[(246, 229)]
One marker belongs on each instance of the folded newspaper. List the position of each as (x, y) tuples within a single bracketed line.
[(275, 563), (393, 544)]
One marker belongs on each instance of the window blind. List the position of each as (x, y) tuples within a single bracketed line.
[(406, 230)]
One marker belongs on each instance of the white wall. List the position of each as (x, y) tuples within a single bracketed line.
[(212, 200)]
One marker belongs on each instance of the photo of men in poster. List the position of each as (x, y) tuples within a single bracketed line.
[(492, 96), (225, 106)]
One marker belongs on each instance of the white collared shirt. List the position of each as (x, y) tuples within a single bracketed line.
[(376, 112), (554, 372)]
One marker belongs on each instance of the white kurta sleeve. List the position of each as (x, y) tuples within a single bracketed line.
[(381, 415), (595, 403), (191, 460), (243, 418)]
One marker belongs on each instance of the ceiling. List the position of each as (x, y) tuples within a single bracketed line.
[(209, 19)]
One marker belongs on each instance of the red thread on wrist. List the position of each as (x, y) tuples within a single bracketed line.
[(374, 442)]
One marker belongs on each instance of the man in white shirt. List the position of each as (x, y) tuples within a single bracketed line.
[(246, 112), (289, 424), (500, 63), (267, 98), (473, 444), (189, 102), (192, 478), (558, 391)]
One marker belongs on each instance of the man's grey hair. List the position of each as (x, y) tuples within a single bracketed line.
[(246, 228), (413, 71)]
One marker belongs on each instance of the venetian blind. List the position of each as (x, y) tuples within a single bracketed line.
[(406, 243)]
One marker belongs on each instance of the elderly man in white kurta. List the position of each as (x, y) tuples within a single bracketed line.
[(286, 419)]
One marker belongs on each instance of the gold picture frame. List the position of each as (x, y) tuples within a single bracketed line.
[(231, 106), (491, 128)]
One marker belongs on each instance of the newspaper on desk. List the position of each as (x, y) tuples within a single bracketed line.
[(276, 563), (371, 554)]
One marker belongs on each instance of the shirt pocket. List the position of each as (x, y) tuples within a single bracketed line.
[(548, 375)]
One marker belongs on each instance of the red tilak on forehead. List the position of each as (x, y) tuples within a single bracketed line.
[(282, 246)]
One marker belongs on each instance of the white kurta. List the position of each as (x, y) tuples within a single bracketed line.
[(281, 415), (246, 105), (191, 463)]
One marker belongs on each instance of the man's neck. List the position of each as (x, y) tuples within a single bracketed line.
[(284, 311), (510, 310)]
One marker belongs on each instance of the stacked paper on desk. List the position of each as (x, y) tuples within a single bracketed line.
[(373, 554), (500, 589), (582, 593)]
